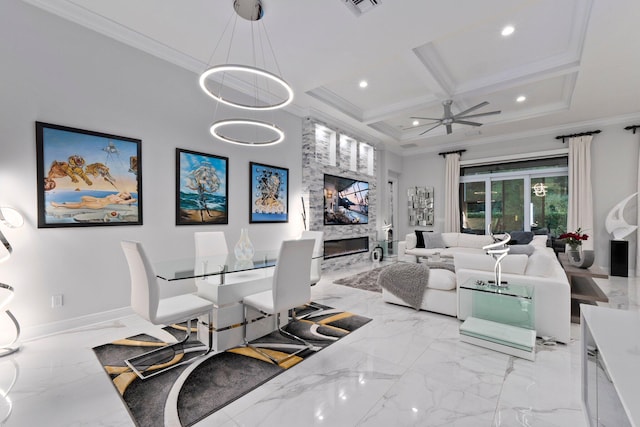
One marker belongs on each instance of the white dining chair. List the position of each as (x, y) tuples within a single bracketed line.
[(146, 302), (316, 262), (211, 248), (290, 289)]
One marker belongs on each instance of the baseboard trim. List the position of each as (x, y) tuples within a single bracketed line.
[(40, 331)]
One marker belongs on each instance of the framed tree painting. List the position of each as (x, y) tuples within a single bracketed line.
[(269, 195), (87, 178), (202, 193)]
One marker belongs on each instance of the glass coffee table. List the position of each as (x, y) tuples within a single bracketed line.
[(502, 317)]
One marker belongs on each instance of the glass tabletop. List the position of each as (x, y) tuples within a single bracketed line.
[(193, 267), (511, 289)]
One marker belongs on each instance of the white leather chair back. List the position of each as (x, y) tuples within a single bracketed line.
[(316, 263), (291, 277), (210, 244), (145, 291)]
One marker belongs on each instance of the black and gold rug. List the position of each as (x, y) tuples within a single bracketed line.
[(191, 392)]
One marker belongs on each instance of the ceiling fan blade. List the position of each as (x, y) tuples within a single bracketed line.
[(425, 118), (475, 107), (431, 128), (478, 115), (449, 129), (464, 122)]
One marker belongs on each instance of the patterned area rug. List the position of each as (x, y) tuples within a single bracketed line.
[(186, 394), (367, 280)]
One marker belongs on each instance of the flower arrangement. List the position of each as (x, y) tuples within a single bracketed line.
[(574, 239)]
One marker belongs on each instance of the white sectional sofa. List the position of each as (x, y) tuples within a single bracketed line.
[(541, 269)]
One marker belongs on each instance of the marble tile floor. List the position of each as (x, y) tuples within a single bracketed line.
[(405, 368)]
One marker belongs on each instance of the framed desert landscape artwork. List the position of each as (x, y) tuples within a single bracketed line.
[(87, 178), (201, 188), (269, 195)]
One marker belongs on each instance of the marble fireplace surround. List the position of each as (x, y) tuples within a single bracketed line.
[(326, 149)]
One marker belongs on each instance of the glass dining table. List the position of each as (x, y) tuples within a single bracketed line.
[(226, 280), (217, 265)]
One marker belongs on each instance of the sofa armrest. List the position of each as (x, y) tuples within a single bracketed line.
[(403, 255), (552, 300)]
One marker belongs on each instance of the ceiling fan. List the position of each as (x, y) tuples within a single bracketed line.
[(449, 118)]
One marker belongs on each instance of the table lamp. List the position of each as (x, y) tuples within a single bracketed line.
[(10, 218)]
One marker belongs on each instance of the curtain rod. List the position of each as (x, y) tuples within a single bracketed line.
[(451, 152), (562, 137), (632, 128)]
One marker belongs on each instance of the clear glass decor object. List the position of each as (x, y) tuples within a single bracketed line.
[(244, 248)]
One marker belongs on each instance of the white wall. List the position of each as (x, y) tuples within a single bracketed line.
[(58, 72), (614, 175)]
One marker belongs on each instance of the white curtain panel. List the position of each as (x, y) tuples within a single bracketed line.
[(451, 191), (638, 232), (580, 192)]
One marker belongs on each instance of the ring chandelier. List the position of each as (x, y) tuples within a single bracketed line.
[(216, 130), (264, 99)]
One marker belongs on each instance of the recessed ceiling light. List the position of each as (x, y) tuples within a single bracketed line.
[(521, 98), (508, 30), (363, 83), (415, 123)]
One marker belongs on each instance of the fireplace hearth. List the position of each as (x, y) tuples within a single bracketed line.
[(342, 247)]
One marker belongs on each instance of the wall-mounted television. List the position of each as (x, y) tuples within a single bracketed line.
[(346, 201)]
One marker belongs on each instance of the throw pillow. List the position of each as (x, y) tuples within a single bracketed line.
[(433, 240), (520, 237), (522, 249), (420, 242)]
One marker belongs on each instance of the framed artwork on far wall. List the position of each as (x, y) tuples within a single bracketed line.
[(202, 191), (269, 195), (87, 178)]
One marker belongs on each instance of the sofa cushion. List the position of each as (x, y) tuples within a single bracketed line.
[(540, 240), (419, 239), (450, 239), (433, 240), (441, 279), (542, 263), (411, 241), (520, 237), (474, 240), (512, 264), (521, 249)]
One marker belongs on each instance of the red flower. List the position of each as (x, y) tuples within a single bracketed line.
[(574, 239)]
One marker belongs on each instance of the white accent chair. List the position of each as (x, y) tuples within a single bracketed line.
[(146, 302), (212, 245), (290, 290), (316, 263)]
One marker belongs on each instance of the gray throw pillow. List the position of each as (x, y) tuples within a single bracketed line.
[(521, 249), (520, 237), (433, 240)]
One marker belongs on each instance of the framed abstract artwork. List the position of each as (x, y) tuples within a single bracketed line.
[(269, 195), (202, 192), (87, 178)]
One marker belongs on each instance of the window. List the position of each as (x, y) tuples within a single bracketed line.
[(527, 195)]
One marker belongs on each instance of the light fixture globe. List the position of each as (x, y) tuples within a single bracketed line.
[(11, 217), (217, 127), (256, 72)]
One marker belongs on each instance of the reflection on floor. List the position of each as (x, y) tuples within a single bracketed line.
[(403, 368)]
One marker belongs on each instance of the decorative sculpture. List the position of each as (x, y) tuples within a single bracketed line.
[(615, 222), (498, 250), (12, 219)]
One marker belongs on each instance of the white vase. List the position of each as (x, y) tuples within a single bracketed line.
[(244, 248)]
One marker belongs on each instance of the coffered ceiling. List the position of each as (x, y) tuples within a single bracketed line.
[(575, 61)]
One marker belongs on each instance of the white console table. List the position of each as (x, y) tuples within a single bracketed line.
[(610, 366)]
